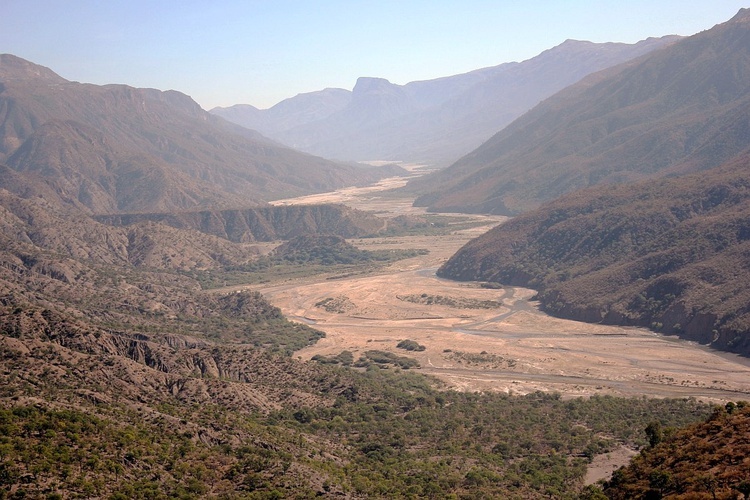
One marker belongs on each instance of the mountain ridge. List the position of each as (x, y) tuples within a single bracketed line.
[(265, 223), (438, 120), (668, 254), (662, 114), (181, 155)]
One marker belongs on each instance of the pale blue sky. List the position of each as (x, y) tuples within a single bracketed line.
[(259, 52)]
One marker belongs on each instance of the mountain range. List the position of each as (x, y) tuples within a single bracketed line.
[(680, 109), (669, 252), (434, 121), (115, 148), (122, 377)]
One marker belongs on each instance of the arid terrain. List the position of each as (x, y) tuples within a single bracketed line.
[(485, 339)]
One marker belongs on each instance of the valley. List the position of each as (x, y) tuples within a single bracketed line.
[(482, 339), (194, 309)]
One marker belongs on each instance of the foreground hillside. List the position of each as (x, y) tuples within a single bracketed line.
[(706, 460), (671, 255), (114, 148), (127, 413), (680, 109)]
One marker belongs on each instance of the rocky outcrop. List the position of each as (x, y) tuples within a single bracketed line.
[(269, 223), (145, 366)]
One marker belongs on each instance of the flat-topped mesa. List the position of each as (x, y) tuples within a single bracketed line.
[(367, 84)]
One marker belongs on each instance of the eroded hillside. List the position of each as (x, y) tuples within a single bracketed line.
[(671, 255)]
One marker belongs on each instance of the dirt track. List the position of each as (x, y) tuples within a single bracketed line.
[(510, 347)]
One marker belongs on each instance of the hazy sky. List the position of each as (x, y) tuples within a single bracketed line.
[(259, 52)]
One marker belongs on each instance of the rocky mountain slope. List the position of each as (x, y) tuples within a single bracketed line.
[(680, 109), (115, 148), (269, 223), (434, 120), (669, 254), (705, 460)]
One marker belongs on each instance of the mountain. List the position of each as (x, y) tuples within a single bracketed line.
[(289, 113), (122, 377), (669, 254), (34, 230), (680, 109), (434, 120), (705, 460), (115, 148)]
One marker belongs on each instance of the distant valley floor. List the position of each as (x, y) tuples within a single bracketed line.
[(484, 339)]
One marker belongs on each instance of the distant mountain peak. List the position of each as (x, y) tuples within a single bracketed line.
[(572, 41), (743, 15), (15, 68), (367, 84)]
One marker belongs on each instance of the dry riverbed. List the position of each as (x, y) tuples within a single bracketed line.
[(480, 339)]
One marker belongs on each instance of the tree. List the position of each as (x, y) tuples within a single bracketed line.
[(592, 492), (654, 433), (709, 482), (660, 481)]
